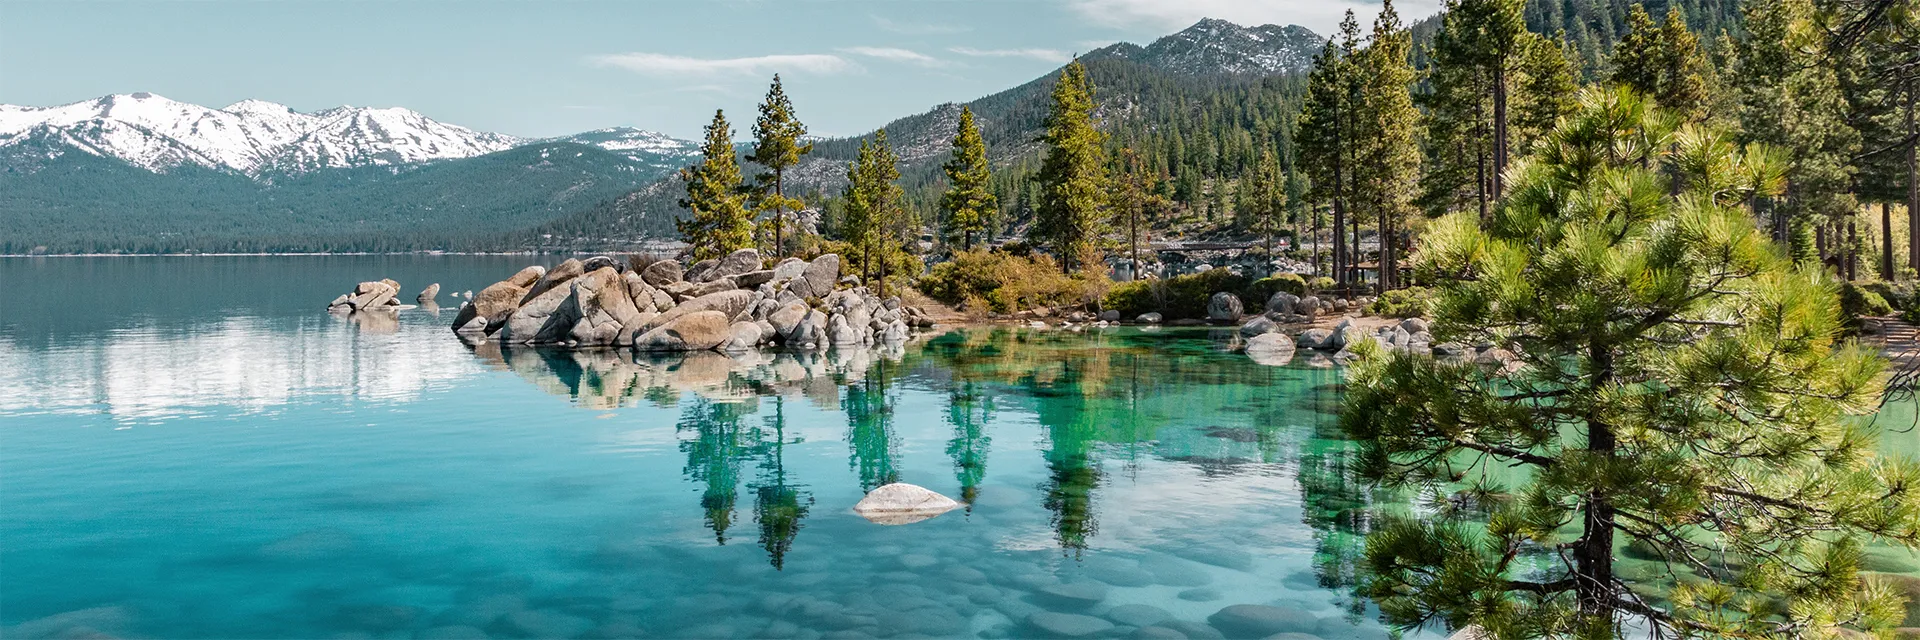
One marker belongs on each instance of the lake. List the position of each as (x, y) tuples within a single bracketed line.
[(193, 448)]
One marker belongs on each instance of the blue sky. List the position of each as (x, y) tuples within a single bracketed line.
[(551, 67)]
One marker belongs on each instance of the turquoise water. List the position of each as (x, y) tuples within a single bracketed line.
[(194, 449)]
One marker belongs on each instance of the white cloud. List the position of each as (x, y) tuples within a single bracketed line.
[(1169, 15), (1048, 55), (918, 29), (896, 54), (662, 64)]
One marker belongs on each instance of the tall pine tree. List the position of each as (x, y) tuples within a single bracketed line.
[(1387, 158), (777, 134), (969, 202), (1790, 98), (1325, 136), (1663, 61), (875, 218), (1073, 176), (718, 222)]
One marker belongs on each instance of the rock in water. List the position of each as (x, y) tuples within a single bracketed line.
[(1271, 349), (1260, 621), (1224, 307), (1150, 317), (697, 331), (1259, 325), (902, 503), (427, 295), (663, 273), (819, 277)]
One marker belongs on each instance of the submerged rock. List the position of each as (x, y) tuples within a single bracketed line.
[(1260, 621), (1068, 625), (902, 503)]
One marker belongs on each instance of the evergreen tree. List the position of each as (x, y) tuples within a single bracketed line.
[(1267, 199), (1549, 84), (719, 222), (1134, 203), (1073, 176), (777, 147), (968, 203), (874, 212), (1790, 98), (1663, 61), (1677, 387), (1387, 157), (1475, 57), (1325, 134)]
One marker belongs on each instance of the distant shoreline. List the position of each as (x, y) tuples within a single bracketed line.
[(233, 255)]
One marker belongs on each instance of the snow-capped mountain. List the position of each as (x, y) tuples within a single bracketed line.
[(639, 145), (1217, 46), (258, 138)]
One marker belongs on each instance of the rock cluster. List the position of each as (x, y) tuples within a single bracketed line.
[(380, 295), (734, 303)]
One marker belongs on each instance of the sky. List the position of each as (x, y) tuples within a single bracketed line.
[(538, 68)]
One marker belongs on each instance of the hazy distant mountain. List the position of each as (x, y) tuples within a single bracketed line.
[(1219, 47)]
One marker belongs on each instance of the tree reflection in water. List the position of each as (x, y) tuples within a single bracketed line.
[(714, 453), (778, 507), (869, 404), (969, 409)]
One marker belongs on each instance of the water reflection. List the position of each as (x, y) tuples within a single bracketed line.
[(1101, 405)]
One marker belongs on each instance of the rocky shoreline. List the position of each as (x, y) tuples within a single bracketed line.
[(734, 303)]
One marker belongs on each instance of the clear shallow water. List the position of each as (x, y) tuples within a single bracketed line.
[(193, 449)]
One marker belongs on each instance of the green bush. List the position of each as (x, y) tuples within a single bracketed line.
[(1857, 301), (1402, 303), (1322, 283), (1176, 297), (1005, 283), (1899, 295), (1257, 293)]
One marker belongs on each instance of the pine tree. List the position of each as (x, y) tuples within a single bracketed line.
[(1073, 176), (1324, 135), (1135, 203), (1663, 61), (1475, 58), (1268, 200), (1675, 386), (1387, 157), (875, 216), (1790, 98), (719, 223), (968, 203), (777, 134), (1549, 83)]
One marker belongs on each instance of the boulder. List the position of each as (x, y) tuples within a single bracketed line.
[(788, 316), (1150, 317), (525, 278), (1415, 325), (1224, 307), (789, 269), (700, 271), (546, 318), (818, 279), (841, 332), (1259, 325), (713, 286), (902, 503), (753, 279), (370, 296), (808, 334), (736, 263), (695, 331), (597, 263), (606, 308), (663, 273), (640, 291), (1110, 315), (742, 336), (1271, 349), (1282, 302), (558, 275), (733, 303), (894, 333), (1315, 339), (1260, 621), (1309, 306), (428, 294), (1050, 624), (498, 301)]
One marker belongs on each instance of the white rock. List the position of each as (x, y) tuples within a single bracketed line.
[(902, 503)]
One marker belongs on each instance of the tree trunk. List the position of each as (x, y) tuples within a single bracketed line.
[(1913, 186), (1853, 249), (1593, 569), (1499, 129), (779, 238), (1886, 241)]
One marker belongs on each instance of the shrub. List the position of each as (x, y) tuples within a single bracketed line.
[(1402, 303), (1857, 301), (1899, 295), (1258, 292), (1004, 283), (1176, 297), (1321, 283)]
